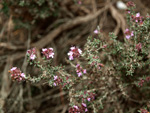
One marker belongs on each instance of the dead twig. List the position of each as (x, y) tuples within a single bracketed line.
[(121, 24), (79, 20)]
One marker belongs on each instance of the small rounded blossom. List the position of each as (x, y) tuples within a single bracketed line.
[(32, 53), (22, 75), (84, 104), (74, 53), (55, 77), (32, 57), (96, 31), (48, 52), (104, 46), (79, 70), (128, 11), (14, 68), (139, 47), (16, 74), (89, 99), (128, 34), (84, 107), (76, 107)]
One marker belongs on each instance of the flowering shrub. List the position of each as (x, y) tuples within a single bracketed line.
[(105, 71)]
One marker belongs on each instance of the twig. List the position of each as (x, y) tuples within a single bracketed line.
[(79, 20)]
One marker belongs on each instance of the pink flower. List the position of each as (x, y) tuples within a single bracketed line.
[(128, 34), (144, 111), (128, 11), (138, 18), (54, 84), (141, 82), (79, 2), (22, 75), (79, 70), (96, 31), (16, 74), (130, 4), (139, 47), (84, 104), (84, 107), (84, 71), (86, 110), (79, 74), (104, 46), (32, 57), (76, 107), (48, 52), (14, 68), (89, 99), (74, 53), (32, 53), (137, 15), (55, 77), (57, 80)]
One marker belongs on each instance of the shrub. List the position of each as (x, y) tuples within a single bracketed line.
[(102, 72)]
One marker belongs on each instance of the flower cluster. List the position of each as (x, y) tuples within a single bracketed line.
[(48, 52), (96, 62), (138, 47), (144, 111), (130, 4), (66, 81), (74, 109), (128, 33), (79, 70), (89, 96), (78, 109), (57, 80), (74, 53), (16, 74), (147, 79), (31, 53), (84, 107), (137, 18)]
